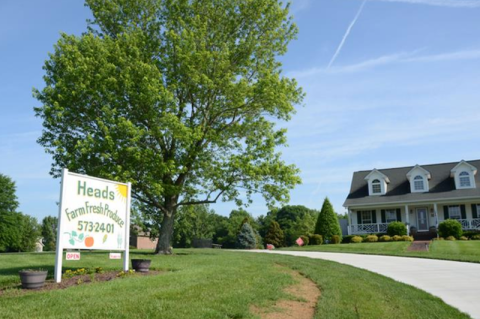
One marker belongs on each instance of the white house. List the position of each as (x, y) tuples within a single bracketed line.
[(419, 196)]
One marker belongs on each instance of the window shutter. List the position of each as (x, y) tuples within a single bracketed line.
[(384, 220), (374, 216), (399, 215), (464, 213), (359, 218), (445, 213), (474, 211)]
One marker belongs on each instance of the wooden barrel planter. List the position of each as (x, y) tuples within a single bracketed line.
[(141, 265), (33, 279)]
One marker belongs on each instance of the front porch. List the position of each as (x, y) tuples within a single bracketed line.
[(362, 229)]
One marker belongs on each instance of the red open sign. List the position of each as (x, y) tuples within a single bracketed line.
[(73, 256)]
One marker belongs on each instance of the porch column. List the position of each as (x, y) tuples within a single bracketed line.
[(349, 219), (436, 217), (407, 221)]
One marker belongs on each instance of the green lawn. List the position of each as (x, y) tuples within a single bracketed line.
[(443, 249), (213, 284)]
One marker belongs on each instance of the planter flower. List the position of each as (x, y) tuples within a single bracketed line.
[(141, 265), (33, 279)]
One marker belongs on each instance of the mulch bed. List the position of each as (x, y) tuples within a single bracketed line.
[(77, 280)]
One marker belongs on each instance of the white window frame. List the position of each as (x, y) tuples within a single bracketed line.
[(419, 183), (464, 177), (364, 212), (376, 182), (390, 212), (457, 210)]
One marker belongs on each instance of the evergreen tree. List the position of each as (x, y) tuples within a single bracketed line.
[(275, 235), (327, 222), (10, 220), (246, 237)]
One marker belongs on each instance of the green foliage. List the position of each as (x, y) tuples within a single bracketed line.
[(356, 239), (397, 238), (327, 222), (246, 237), (450, 238), (450, 227), (194, 221), (181, 98), (407, 238), (228, 228), (30, 233), (470, 234), (49, 233), (295, 221), (463, 238), (347, 239), (275, 235), (475, 237), (316, 239), (396, 228), (336, 239), (306, 240), (385, 238), (371, 239)]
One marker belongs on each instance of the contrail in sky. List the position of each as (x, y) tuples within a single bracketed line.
[(345, 36)]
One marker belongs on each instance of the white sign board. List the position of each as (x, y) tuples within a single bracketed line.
[(94, 214), (72, 256)]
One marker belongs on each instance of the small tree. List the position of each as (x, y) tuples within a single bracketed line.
[(275, 235), (49, 233), (327, 222), (396, 228), (246, 237)]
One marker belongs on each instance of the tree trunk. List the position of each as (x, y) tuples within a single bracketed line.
[(164, 246)]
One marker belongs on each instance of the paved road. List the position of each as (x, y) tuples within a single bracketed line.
[(456, 283)]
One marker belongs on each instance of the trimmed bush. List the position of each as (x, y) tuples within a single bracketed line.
[(275, 235), (305, 239), (407, 238), (450, 227), (327, 222), (347, 239), (371, 239), (397, 238), (475, 237), (335, 239), (385, 238), (470, 234), (356, 239), (463, 238), (450, 238), (246, 237), (316, 239), (396, 228)]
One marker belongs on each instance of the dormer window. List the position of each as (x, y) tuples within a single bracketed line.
[(418, 183), (376, 187), (465, 179)]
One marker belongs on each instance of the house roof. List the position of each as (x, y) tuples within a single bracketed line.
[(442, 186)]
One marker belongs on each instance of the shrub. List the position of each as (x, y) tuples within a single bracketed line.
[(397, 238), (356, 239), (371, 239), (470, 234), (335, 239), (407, 238), (305, 239), (450, 227), (327, 222), (450, 238), (463, 238), (347, 239), (316, 239), (275, 235), (246, 237), (397, 228), (385, 238), (475, 237)]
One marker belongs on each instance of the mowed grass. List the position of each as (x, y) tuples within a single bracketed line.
[(213, 284), (439, 249)]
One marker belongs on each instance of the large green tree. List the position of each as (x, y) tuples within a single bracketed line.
[(327, 222), (180, 97), (10, 221), (49, 232), (296, 221)]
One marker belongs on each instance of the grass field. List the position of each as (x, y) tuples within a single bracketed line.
[(442, 249), (213, 284)]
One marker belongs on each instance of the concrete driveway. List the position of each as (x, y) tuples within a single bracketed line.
[(456, 283)]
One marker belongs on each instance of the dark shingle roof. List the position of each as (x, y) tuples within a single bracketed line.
[(442, 186)]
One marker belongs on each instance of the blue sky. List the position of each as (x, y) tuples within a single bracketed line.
[(404, 88)]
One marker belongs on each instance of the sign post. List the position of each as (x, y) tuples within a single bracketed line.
[(94, 214)]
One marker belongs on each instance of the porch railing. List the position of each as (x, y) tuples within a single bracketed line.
[(369, 228), (470, 224)]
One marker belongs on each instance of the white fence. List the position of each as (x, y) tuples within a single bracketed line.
[(467, 224)]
